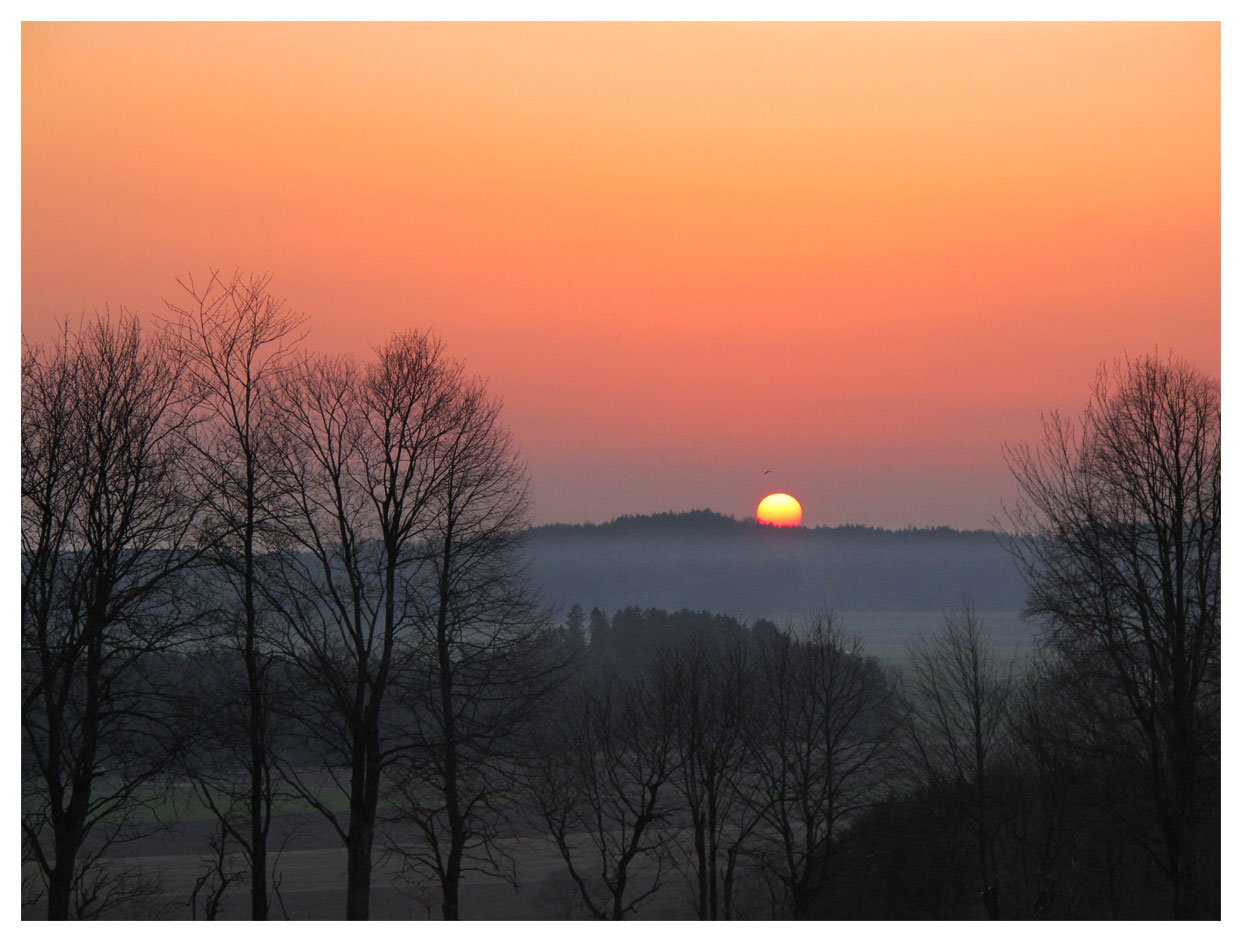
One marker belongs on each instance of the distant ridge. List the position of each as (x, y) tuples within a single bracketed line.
[(702, 560), (710, 521)]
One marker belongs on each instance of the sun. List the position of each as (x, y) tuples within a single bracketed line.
[(779, 510)]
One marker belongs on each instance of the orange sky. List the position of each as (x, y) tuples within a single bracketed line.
[(861, 255)]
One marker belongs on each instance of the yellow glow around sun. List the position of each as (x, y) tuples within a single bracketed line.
[(780, 510)]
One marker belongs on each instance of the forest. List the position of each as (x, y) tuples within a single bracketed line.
[(266, 582)]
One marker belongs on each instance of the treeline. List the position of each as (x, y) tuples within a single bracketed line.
[(706, 520), (709, 764), (783, 773), (703, 560), (277, 578)]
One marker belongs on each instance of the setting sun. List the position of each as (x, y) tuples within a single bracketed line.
[(780, 510)]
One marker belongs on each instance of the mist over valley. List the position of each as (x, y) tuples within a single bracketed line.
[(884, 585)]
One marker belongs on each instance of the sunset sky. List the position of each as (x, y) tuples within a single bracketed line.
[(862, 256)]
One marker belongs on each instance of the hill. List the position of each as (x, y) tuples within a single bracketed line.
[(702, 560)]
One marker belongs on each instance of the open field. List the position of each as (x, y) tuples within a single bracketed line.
[(312, 881), (886, 634)]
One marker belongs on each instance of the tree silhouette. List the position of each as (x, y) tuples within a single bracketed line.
[(486, 655), (235, 339), (360, 471), (107, 528), (599, 781), (1120, 524)]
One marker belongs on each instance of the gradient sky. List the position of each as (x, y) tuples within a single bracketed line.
[(864, 256)]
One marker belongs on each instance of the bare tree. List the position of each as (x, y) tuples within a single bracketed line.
[(235, 339), (486, 652), (822, 754), (716, 714), (600, 782), (106, 545), (1119, 536), (360, 472), (956, 694)]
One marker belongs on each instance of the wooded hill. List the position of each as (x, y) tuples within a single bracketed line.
[(704, 560)]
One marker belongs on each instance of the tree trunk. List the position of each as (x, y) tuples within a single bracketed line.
[(258, 858), (1185, 852), (255, 725), (619, 912), (452, 880), (60, 887), (701, 856), (258, 791), (713, 852), (727, 884), (358, 871), (364, 797), (71, 830)]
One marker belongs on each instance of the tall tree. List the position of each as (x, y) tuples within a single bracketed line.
[(235, 338), (1119, 537), (107, 531), (486, 653), (360, 471)]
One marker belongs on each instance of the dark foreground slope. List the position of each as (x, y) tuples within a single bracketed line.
[(701, 560)]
